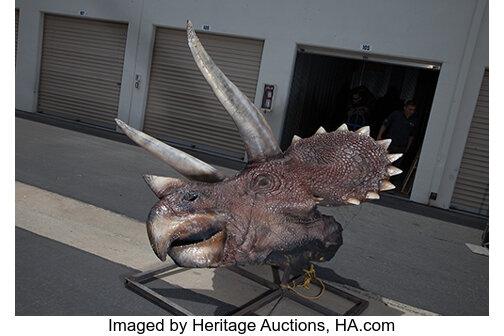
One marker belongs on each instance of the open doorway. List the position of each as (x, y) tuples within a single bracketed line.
[(323, 86)]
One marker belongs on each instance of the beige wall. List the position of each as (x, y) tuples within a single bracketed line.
[(453, 33)]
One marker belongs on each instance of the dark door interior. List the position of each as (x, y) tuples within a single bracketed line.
[(322, 89)]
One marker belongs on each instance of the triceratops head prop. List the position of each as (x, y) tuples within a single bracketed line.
[(267, 213)]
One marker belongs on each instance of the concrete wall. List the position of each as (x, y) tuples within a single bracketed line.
[(453, 33), (464, 103)]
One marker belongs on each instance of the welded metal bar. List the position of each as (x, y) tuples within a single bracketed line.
[(253, 277), (286, 275), (275, 291), (159, 299), (259, 302), (312, 305), (357, 309), (151, 273), (360, 304), (275, 270)]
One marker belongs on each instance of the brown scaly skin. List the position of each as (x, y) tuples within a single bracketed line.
[(268, 211)]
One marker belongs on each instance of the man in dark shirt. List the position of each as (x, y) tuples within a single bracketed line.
[(401, 127)]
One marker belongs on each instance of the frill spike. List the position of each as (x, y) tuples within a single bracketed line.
[(392, 171), (372, 195), (295, 138), (386, 185), (321, 130), (353, 201), (385, 143), (394, 157), (363, 130), (343, 127)]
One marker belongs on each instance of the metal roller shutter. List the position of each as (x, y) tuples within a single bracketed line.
[(181, 107), (471, 188), (81, 70)]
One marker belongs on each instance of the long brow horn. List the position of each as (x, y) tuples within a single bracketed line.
[(187, 165), (254, 130)]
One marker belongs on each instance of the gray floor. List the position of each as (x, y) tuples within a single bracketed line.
[(57, 279), (415, 259), (48, 282)]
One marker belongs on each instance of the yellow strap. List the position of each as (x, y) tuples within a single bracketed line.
[(309, 276)]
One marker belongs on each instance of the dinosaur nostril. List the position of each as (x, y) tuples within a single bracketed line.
[(190, 196)]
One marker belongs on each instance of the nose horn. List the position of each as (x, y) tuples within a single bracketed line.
[(160, 185)]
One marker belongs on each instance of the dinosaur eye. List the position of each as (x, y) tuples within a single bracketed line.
[(190, 196), (263, 183)]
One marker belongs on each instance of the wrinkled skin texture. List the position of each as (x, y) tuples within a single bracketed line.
[(267, 213), (269, 210)]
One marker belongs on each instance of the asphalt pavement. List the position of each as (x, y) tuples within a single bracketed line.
[(399, 251)]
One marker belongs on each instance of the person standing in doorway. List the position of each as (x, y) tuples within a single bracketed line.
[(356, 112), (401, 127)]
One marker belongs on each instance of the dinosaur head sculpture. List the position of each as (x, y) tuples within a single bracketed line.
[(267, 213)]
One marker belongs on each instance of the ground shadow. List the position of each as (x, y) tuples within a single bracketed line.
[(226, 283)]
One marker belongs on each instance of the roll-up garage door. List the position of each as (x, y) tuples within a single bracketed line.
[(81, 70), (471, 188), (181, 107)]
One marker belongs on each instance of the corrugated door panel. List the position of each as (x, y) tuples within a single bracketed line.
[(81, 71), (471, 188), (181, 106)]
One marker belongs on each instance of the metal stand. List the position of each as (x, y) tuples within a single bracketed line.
[(276, 291)]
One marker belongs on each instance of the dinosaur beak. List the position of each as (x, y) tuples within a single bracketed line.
[(194, 240)]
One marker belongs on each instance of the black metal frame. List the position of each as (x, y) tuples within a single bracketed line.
[(276, 290)]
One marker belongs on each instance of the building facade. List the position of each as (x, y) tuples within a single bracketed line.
[(93, 61)]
